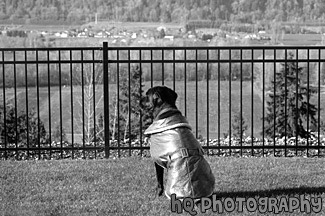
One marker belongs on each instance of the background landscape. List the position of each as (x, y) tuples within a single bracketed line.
[(54, 23), (43, 185)]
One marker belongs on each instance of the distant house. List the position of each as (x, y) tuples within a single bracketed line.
[(191, 36), (160, 28), (100, 35), (207, 37), (44, 33), (169, 37), (82, 34), (64, 34), (134, 35), (118, 36)]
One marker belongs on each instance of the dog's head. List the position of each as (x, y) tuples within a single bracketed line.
[(159, 97)]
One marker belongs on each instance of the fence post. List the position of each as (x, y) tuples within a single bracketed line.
[(106, 98)]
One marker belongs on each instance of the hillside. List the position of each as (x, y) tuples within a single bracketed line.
[(177, 11)]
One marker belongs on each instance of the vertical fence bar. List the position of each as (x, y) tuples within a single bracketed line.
[(140, 102), (71, 99), (196, 98), (129, 100), (118, 103), (94, 101), (318, 117), (208, 75), (285, 101), (38, 107), (252, 100), (219, 101), (106, 99), (16, 111), (308, 98), (4, 104), (49, 99), (296, 113), (162, 67), (274, 101), (185, 107), (230, 76), (60, 105), (27, 113), (83, 104), (174, 70), (241, 102), (151, 69), (263, 102)]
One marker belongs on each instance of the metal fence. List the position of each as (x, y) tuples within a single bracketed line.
[(87, 102)]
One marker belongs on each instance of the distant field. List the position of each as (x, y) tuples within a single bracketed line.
[(131, 25), (99, 26), (49, 28), (286, 39), (252, 112), (301, 39)]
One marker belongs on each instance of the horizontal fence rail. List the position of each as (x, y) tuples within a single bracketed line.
[(89, 102)]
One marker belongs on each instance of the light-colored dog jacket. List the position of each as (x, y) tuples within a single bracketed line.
[(174, 147)]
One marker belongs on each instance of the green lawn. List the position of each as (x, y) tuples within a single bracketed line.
[(126, 186)]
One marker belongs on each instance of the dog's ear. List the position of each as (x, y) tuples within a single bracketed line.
[(157, 100), (161, 95), (172, 96), (154, 96)]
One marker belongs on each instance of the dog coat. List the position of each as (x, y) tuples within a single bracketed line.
[(174, 147)]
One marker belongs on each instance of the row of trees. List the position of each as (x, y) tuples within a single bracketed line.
[(248, 11), (238, 72), (200, 71), (17, 126)]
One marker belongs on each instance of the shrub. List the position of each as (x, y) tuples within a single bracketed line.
[(25, 128), (58, 133), (238, 125)]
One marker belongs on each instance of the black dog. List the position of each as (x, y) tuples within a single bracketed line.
[(174, 147)]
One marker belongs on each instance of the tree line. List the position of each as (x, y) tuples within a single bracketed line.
[(248, 11)]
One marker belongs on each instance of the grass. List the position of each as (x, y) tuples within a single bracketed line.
[(126, 186), (301, 39)]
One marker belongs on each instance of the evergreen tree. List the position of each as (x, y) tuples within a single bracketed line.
[(238, 125), (292, 109), (129, 116)]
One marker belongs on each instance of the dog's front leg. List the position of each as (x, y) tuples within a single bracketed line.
[(160, 179)]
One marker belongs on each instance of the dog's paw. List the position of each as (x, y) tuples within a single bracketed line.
[(146, 140), (159, 191)]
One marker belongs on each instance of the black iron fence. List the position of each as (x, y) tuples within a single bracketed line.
[(88, 102)]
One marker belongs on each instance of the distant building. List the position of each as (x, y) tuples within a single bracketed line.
[(169, 37)]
